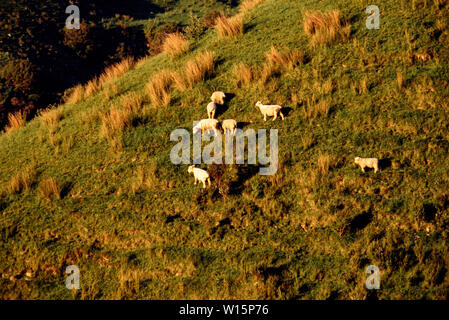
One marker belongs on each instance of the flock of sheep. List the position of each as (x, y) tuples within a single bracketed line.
[(230, 125)]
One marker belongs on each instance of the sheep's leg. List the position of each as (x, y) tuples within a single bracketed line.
[(204, 184), (195, 181), (363, 169), (282, 116), (264, 117), (208, 180), (212, 114), (275, 116), (376, 168)]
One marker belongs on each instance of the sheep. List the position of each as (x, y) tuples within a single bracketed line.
[(211, 108), (218, 97), (269, 110), (229, 124), (199, 175), (207, 124), (367, 163)]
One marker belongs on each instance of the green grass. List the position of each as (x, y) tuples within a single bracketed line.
[(138, 228)]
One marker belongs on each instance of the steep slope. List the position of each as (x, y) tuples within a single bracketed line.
[(91, 183)]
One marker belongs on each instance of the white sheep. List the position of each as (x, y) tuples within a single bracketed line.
[(199, 175), (218, 97), (269, 110), (211, 108), (207, 124), (229, 124), (367, 163)]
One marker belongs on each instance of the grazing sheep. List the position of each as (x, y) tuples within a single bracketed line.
[(218, 97), (229, 124), (207, 124), (269, 110), (367, 163), (200, 175), (211, 108)]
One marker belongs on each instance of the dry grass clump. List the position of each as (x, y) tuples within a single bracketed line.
[(49, 189), (324, 28), (175, 44), (326, 162), (22, 180), (195, 70), (113, 124), (279, 61), (229, 27), (133, 102), (285, 59), (243, 75), (314, 108), (247, 5), (115, 121), (116, 70), (76, 95), (158, 89), (16, 120), (92, 87), (51, 117)]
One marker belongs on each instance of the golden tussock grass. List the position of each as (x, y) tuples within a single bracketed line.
[(285, 59), (158, 89), (229, 27), (49, 189), (326, 162), (115, 121), (50, 118), (247, 5), (175, 44), (22, 180), (324, 28), (279, 61), (314, 108), (195, 70), (16, 120), (133, 102), (91, 88), (76, 95), (116, 70), (243, 75)]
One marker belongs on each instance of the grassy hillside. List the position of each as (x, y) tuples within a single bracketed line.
[(90, 182)]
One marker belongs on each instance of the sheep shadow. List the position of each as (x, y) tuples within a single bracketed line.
[(245, 172), (242, 124), (384, 163), (65, 189), (360, 221), (221, 109), (286, 111)]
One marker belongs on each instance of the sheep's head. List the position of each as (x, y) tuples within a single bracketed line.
[(258, 104), (357, 160), (190, 169)]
